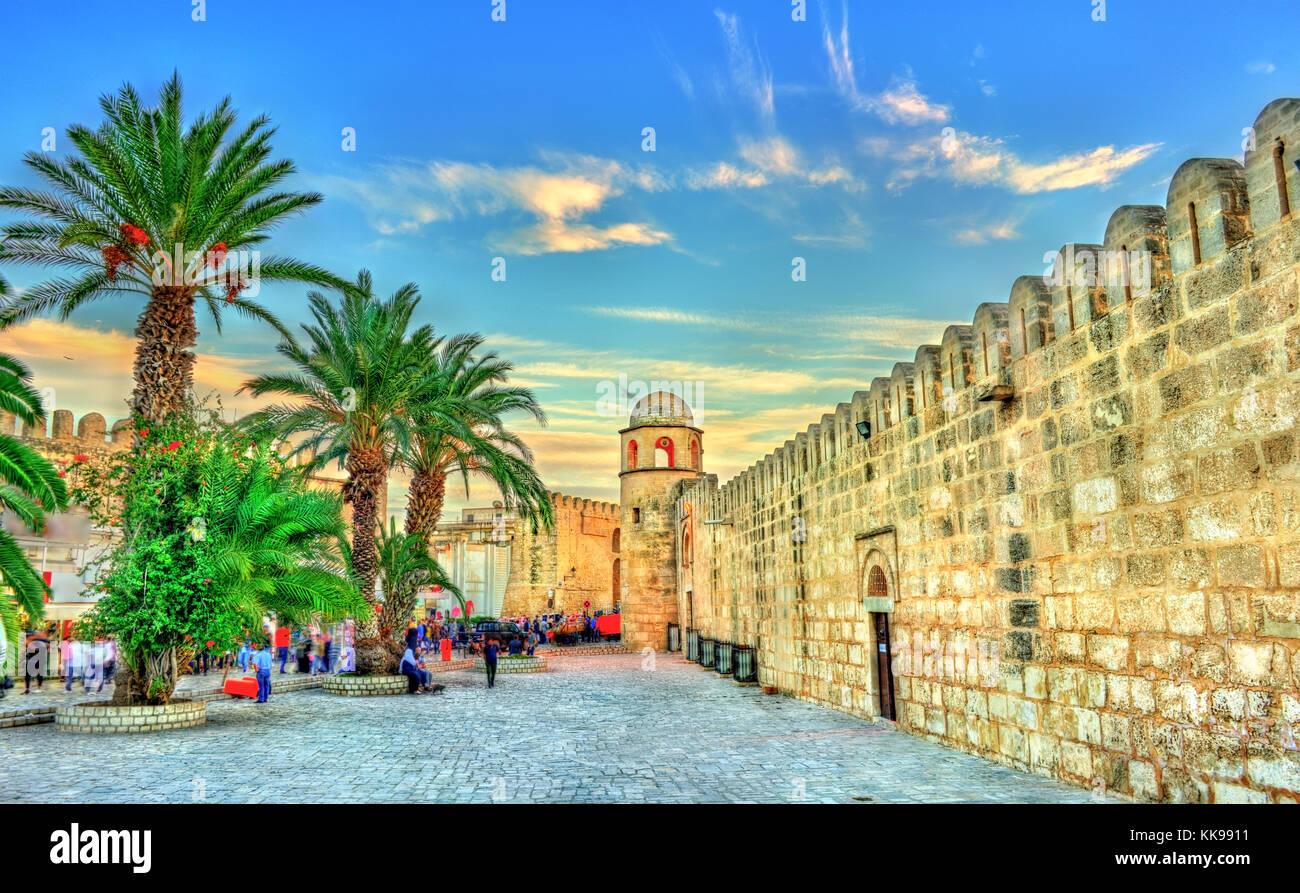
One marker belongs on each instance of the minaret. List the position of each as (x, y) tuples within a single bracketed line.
[(660, 446)]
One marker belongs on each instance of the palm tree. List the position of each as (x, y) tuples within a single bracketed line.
[(150, 207), (276, 541), (29, 486), (405, 567), (351, 386), (459, 429)]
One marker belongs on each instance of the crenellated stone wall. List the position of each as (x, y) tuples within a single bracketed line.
[(578, 553), (1078, 518)]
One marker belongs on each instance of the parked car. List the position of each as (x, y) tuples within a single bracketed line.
[(504, 630)]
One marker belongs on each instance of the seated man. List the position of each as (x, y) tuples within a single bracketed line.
[(516, 645), (425, 676)]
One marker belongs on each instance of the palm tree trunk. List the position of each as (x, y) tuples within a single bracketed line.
[(164, 363), (367, 476), (424, 502)]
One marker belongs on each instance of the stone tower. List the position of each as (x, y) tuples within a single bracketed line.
[(660, 447)]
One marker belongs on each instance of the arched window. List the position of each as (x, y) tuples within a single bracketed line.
[(664, 453), (984, 341), (877, 585), (695, 454), (616, 539), (1024, 332), (1069, 304), (631, 454), (616, 580), (688, 552)]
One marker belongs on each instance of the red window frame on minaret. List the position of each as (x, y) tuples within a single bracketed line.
[(665, 443)]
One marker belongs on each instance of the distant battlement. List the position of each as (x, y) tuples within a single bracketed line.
[(91, 431), (608, 510), (63, 434)]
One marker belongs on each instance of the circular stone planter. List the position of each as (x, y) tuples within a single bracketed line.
[(105, 718), (514, 665), (362, 686)]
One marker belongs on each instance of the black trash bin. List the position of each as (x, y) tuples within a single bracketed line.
[(745, 663), (722, 658)]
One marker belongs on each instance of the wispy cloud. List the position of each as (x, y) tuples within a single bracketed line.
[(852, 232), (679, 75), (405, 197), (749, 71), (1261, 68), (983, 233), (724, 175), (900, 103), (771, 160), (903, 103), (972, 160), (886, 329)]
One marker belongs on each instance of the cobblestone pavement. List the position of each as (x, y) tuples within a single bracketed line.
[(593, 729)]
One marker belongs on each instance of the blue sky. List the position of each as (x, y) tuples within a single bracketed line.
[(822, 139)]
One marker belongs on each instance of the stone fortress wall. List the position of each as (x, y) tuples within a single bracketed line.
[(580, 553), (1079, 516), (64, 434)]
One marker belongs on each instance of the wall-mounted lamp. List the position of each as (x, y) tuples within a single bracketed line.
[(864, 428)]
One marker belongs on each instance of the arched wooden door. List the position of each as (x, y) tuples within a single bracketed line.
[(878, 587)]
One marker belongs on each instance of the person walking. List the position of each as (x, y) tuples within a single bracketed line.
[(102, 663), (66, 662), (326, 644), (244, 654), (282, 645), (262, 661), (490, 652), (35, 656), (110, 662), (94, 666)]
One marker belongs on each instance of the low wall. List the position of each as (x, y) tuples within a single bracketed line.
[(514, 665), (103, 717), (362, 686)]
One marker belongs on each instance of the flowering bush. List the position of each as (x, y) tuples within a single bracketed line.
[(215, 533)]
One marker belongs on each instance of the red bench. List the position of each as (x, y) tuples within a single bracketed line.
[(244, 688)]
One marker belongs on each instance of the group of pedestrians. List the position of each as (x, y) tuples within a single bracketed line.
[(545, 626), (89, 664)]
